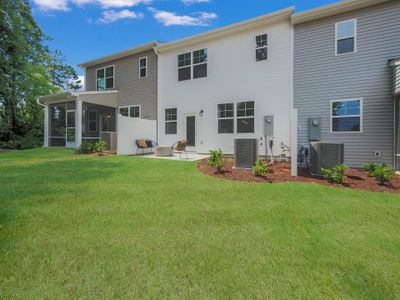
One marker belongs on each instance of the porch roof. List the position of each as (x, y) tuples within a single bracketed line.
[(105, 98)]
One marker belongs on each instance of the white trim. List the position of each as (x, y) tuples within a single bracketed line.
[(347, 116), (129, 110), (105, 77), (140, 68), (347, 37)]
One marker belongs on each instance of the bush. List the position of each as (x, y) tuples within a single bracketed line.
[(259, 168), (371, 167), (383, 174), (85, 148), (99, 147), (336, 174), (215, 160), (31, 140)]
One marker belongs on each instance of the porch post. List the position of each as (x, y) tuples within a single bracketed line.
[(46, 126), (78, 123)]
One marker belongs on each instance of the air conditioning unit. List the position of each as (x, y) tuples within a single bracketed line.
[(246, 153), (325, 155), (110, 138)]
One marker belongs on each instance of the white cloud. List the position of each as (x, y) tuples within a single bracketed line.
[(189, 2), (120, 3), (171, 18), (110, 16), (46, 5)]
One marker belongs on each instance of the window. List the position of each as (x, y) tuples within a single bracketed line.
[(261, 47), (200, 63), (132, 111), (245, 117), (195, 63), (170, 121), (143, 67), (184, 66), (92, 121), (346, 33), (105, 78), (346, 116), (225, 118)]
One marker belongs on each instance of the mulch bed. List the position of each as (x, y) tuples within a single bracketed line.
[(281, 172)]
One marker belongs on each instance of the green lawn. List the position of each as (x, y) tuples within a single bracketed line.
[(74, 226)]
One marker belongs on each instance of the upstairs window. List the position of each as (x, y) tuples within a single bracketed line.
[(185, 66), (192, 63), (346, 35), (105, 78), (245, 117), (171, 121), (346, 115), (261, 47), (143, 67), (225, 118)]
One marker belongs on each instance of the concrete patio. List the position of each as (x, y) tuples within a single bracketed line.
[(191, 156)]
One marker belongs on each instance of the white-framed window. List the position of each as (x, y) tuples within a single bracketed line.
[(226, 118), (171, 120), (92, 121), (105, 78), (143, 67), (346, 37), (346, 115), (132, 111), (261, 47), (192, 63), (245, 117)]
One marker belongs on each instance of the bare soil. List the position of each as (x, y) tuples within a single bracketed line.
[(281, 172)]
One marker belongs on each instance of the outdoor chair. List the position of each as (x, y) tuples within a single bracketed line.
[(143, 145), (180, 147)]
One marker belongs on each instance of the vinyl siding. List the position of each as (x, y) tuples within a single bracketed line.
[(132, 89), (320, 76)]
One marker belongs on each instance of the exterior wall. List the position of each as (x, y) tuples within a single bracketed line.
[(320, 76), (132, 89), (233, 76)]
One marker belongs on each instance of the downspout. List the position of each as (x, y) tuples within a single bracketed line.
[(157, 54)]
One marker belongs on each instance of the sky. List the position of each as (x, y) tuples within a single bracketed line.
[(86, 29)]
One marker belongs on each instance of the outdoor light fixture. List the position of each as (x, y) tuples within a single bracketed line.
[(201, 113), (109, 116)]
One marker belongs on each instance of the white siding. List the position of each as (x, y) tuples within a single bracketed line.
[(233, 76)]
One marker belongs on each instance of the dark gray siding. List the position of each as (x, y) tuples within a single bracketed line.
[(132, 89), (320, 76)]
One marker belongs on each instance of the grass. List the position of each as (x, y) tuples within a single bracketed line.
[(74, 226)]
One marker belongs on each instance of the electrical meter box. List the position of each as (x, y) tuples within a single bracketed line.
[(314, 129), (269, 125)]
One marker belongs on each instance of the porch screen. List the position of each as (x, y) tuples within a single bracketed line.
[(57, 113)]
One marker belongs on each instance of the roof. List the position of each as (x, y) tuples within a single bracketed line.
[(118, 55), (333, 9), (71, 95), (230, 29)]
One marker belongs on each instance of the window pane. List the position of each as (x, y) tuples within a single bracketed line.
[(225, 126), (100, 84), (71, 119), (93, 126), (245, 125), (261, 40), (143, 72), (225, 110), (170, 127), (170, 114), (109, 71), (245, 109), (134, 112), (261, 54), (123, 111), (100, 73), (200, 56), (184, 74), (200, 71), (143, 62), (92, 115), (109, 83), (345, 46), (346, 108), (345, 29), (184, 59), (346, 124)]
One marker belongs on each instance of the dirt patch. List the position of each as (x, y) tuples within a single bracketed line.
[(281, 172)]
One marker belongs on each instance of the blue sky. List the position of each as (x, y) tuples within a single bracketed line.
[(86, 29)]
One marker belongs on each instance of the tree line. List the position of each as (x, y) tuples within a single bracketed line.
[(28, 69)]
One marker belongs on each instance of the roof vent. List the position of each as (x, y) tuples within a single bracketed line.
[(246, 153)]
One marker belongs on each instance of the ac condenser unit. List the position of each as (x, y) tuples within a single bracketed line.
[(110, 138), (325, 155), (246, 153)]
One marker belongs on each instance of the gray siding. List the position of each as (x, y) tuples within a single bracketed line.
[(132, 89), (320, 76)]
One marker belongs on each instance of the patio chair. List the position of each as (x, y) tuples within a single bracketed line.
[(180, 147), (143, 145)]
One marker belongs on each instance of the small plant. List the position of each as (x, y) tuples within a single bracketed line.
[(336, 174), (99, 147), (85, 148), (383, 174), (259, 168), (371, 167), (215, 160)]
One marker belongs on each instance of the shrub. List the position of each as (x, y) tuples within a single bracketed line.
[(383, 174), (31, 140), (336, 174), (85, 148), (259, 168), (215, 160), (99, 147), (371, 167)]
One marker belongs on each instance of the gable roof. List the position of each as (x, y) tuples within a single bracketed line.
[(333, 9), (230, 29), (131, 51)]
